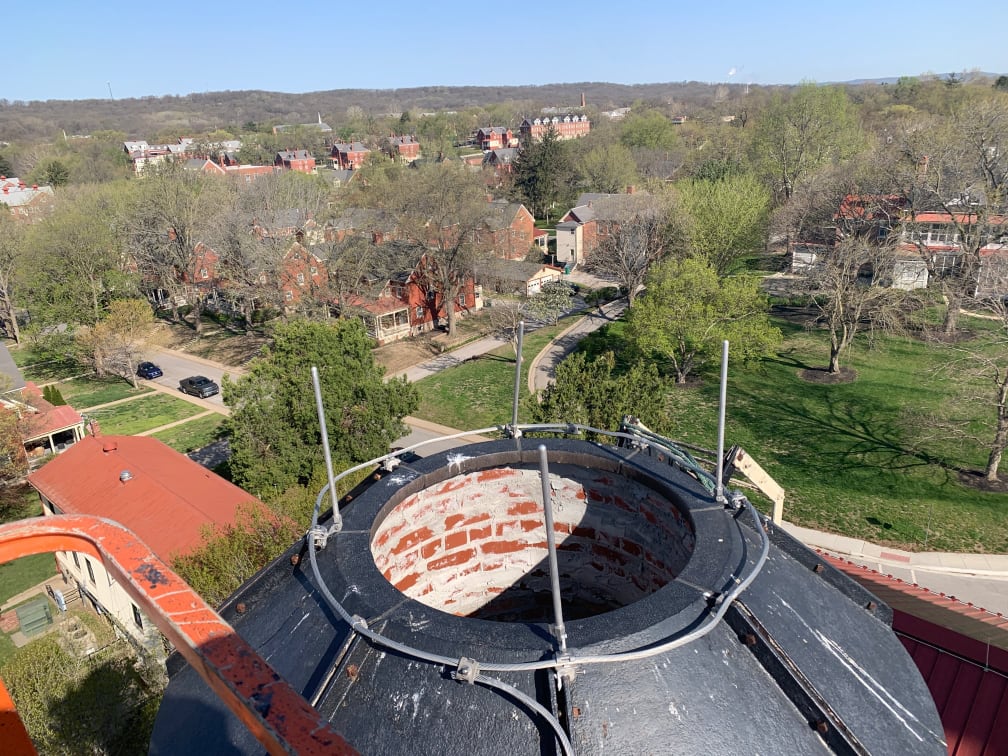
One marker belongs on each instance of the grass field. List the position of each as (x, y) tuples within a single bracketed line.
[(194, 434), (479, 392), (82, 393), (23, 573), (865, 458), (143, 414), (43, 369)]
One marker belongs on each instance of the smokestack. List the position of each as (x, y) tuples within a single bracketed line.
[(582, 100)]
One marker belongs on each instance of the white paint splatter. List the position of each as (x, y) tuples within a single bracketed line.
[(400, 479), (456, 460), (294, 629), (674, 711)]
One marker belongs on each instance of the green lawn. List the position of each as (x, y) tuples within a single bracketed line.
[(194, 434), (143, 414), (479, 392), (41, 368), (866, 458), (23, 573), (82, 393)]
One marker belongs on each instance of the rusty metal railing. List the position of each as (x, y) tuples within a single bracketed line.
[(280, 719)]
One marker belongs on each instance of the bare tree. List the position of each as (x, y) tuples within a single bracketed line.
[(953, 175), (639, 236), (440, 210), (259, 224), (176, 211), (12, 250), (850, 285)]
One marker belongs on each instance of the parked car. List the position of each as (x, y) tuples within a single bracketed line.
[(149, 370), (198, 385)]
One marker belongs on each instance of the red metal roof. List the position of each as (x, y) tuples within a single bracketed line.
[(962, 653), (166, 501)]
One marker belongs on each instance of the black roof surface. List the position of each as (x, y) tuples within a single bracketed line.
[(803, 662)]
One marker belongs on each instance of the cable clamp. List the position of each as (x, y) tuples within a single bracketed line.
[(467, 670)]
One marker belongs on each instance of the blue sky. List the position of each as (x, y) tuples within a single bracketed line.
[(140, 49)]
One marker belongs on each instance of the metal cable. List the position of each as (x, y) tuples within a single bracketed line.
[(359, 624)]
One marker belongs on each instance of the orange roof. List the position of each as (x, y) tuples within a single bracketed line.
[(167, 499)]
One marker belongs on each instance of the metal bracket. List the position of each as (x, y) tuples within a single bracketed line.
[(467, 671), (391, 464), (319, 536)]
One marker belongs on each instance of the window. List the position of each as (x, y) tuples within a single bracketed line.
[(90, 571), (313, 270), (419, 313), (300, 279), (203, 273), (289, 296), (137, 617), (76, 560)]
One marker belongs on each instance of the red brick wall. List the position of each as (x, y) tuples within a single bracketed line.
[(475, 544)]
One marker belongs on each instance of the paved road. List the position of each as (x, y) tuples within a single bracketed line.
[(178, 365), (543, 367)]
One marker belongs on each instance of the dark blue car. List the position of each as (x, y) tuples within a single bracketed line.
[(149, 370)]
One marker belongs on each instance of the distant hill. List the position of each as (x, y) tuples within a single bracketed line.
[(146, 116)]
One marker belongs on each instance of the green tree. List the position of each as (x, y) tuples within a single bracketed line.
[(725, 220), (55, 173), (52, 394), (440, 211), (689, 311), (607, 168), (116, 343), (73, 705), (275, 435), (851, 287), (230, 555), (13, 239), (176, 212), (77, 261), (543, 175), (1001, 83), (816, 125), (650, 129), (956, 166), (6, 167), (594, 392)]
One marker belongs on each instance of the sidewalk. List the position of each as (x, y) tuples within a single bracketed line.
[(978, 579), (542, 369)]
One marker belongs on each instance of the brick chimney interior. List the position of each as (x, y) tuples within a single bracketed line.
[(475, 544)]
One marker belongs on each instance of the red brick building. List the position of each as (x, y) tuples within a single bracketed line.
[(570, 126), (495, 137), (405, 305), (349, 156), (405, 149), (509, 230), (295, 160)]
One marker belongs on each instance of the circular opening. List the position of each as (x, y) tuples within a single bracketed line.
[(475, 544)]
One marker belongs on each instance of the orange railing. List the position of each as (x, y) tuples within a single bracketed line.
[(272, 710)]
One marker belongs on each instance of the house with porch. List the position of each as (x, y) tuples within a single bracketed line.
[(406, 304), (164, 497), (925, 242)]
